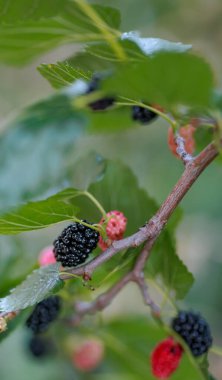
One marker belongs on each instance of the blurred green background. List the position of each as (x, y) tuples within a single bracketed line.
[(144, 149)]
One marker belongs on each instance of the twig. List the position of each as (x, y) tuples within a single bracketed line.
[(148, 233), (153, 228), (103, 300)]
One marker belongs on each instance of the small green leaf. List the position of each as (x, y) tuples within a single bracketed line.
[(34, 289), (62, 74), (173, 79), (41, 214)]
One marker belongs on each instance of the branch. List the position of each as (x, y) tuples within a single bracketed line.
[(105, 299), (153, 228), (148, 233)]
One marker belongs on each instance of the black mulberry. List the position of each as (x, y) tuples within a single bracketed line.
[(143, 115), (195, 331), (75, 243), (39, 347), (43, 314)]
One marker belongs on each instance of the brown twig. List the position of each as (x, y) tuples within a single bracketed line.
[(149, 233), (105, 299), (153, 228)]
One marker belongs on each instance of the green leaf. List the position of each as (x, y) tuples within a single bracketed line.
[(12, 11), (41, 214), (20, 42), (203, 136), (136, 48), (110, 121), (105, 52), (38, 151), (88, 61), (173, 79), (165, 262), (62, 74), (34, 289), (88, 169)]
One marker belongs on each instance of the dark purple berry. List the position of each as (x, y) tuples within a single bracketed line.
[(43, 314), (143, 115), (40, 347), (195, 331), (74, 244)]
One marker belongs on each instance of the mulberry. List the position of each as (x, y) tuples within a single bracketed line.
[(43, 314), (195, 331), (75, 243)]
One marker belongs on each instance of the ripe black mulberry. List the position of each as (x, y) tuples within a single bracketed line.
[(143, 115), (75, 243), (195, 331), (43, 314)]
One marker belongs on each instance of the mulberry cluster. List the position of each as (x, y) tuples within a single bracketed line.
[(143, 115), (166, 358), (43, 314), (195, 331), (75, 243), (100, 104)]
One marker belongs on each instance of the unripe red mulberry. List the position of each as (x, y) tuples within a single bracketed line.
[(88, 355), (115, 228), (46, 256), (165, 358), (187, 133)]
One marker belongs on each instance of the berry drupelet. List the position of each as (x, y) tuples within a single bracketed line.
[(143, 115), (43, 314), (195, 331), (100, 104), (75, 243)]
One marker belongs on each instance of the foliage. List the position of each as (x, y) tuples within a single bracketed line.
[(44, 180)]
